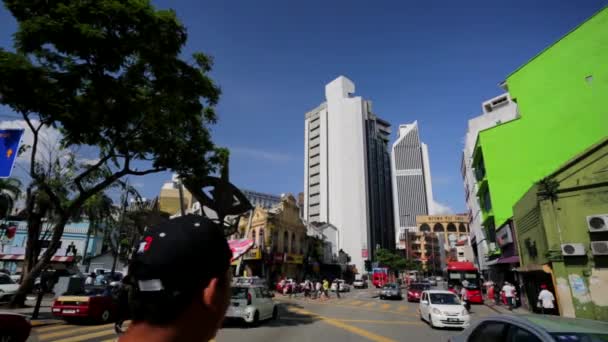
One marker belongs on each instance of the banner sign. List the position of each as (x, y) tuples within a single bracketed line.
[(240, 247), (9, 147)]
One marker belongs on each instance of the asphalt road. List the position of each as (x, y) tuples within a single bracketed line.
[(358, 316)]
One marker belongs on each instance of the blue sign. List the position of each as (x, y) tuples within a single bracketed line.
[(9, 147)]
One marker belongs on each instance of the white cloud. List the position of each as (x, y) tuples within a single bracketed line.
[(440, 209), (48, 137), (261, 154), (88, 161)]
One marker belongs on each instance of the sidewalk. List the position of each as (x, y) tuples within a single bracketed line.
[(44, 314), (503, 310)]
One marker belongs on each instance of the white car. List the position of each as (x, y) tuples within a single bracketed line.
[(344, 287), (8, 288), (360, 284), (252, 304), (443, 309)]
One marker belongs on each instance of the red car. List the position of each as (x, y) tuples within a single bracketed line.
[(474, 295), (415, 290), (94, 304)]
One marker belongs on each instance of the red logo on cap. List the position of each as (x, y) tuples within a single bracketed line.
[(148, 241)]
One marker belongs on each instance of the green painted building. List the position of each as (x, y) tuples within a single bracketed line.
[(562, 99), (562, 228)]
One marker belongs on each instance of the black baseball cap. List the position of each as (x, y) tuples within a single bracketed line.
[(179, 254)]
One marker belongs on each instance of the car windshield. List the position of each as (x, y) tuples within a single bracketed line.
[(578, 337), (5, 280), (239, 293), (390, 286), (444, 299)]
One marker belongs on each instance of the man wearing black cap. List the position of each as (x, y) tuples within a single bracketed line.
[(179, 282)]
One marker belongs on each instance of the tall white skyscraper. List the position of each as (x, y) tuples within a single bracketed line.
[(347, 173), (412, 189)]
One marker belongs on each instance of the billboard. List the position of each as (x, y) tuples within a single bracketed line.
[(9, 148)]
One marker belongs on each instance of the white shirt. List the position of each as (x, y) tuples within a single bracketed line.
[(89, 281), (509, 291), (546, 298)]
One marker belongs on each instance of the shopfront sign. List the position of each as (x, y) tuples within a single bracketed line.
[(253, 254), (295, 259), (278, 257), (504, 235)]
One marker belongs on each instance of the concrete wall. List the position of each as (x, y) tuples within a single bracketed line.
[(583, 191)]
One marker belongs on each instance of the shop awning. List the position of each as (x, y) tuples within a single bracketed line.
[(534, 268), (21, 257), (509, 260), (240, 247)]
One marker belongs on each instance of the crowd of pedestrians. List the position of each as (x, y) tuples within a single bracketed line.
[(318, 290)]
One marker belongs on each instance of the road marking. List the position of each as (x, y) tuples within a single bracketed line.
[(350, 328), (379, 322), (51, 328), (385, 306), (88, 336), (73, 331), (356, 303), (402, 308), (369, 305), (366, 307)]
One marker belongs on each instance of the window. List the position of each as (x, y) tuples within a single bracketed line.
[(489, 331), (275, 241), (258, 292), (4, 280), (265, 293), (517, 334), (286, 242), (293, 243)]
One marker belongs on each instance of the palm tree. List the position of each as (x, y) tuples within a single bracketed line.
[(548, 189), (98, 209), (10, 189)]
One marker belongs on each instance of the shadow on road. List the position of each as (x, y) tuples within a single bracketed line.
[(286, 318)]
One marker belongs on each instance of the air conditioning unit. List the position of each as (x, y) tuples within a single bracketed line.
[(597, 223), (573, 249), (599, 247)]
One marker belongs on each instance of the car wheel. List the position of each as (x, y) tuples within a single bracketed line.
[(105, 316), (381, 297), (256, 319), (275, 313)]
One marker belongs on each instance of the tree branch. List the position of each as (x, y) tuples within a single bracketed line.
[(95, 167), (145, 172)]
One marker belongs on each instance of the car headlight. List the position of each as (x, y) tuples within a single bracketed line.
[(436, 311), (464, 312)]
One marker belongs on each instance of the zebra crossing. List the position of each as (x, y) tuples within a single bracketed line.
[(398, 307), (63, 332)]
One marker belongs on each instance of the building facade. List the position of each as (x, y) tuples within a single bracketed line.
[(337, 190), (12, 251), (168, 199), (496, 111), (562, 229), (561, 104), (411, 179), (279, 241)]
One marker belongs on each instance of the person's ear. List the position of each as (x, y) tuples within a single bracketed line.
[(213, 294)]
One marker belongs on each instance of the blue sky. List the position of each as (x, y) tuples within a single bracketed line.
[(431, 61)]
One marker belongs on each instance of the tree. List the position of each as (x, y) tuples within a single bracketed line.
[(10, 189), (391, 260), (108, 74), (98, 209), (548, 189)]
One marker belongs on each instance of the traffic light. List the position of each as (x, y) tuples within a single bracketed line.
[(368, 265)]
